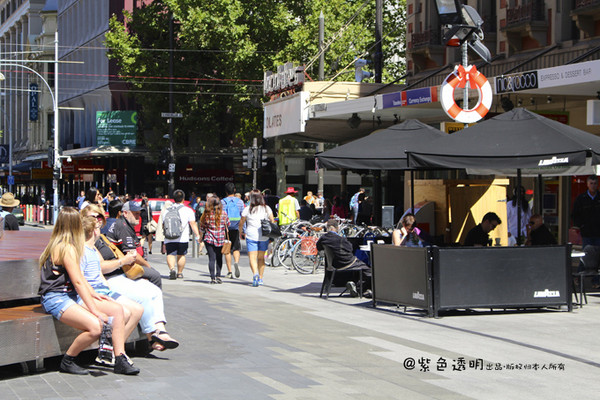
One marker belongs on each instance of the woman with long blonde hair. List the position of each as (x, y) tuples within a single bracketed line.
[(213, 225), (63, 286)]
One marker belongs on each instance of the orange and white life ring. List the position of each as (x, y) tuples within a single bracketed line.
[(459, 78)]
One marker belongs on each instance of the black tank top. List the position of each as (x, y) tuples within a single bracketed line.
[(54, 278)]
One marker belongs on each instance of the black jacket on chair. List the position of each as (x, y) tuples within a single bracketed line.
[(342, 249)]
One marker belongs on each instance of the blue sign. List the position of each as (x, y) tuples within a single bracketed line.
[(392, 100), (33, 102), (10, 180), (4, 153), (420, 96)]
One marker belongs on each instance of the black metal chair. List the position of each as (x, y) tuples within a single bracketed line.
[(580, 277), (330, 273)]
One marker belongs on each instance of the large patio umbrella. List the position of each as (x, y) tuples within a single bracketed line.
[(514, 140), (518, 139), (383, 149)]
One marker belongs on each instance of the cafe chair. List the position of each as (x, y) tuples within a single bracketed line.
[(591, 262), (330, 273)]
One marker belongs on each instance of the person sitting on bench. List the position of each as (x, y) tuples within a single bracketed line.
[(343, 257), (63, 287)]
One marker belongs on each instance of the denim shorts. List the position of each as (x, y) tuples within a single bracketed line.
[(56, 303), (255, 245), (102, 289)]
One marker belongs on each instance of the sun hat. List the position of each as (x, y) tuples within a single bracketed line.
[(290, 190), (8, 200)]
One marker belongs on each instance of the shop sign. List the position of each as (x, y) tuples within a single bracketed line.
[(451, 127), (516, 82), (41, 173), (571, 74), (287, 77), (205, 176), (83, 166), (286, 115), (410, 97), (116, 128), (33, 102)]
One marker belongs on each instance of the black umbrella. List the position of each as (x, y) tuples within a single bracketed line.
[(383, 149), (516, 139)]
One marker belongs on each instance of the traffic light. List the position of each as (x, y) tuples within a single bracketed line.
[(51, 156), (359, 74), (262, 157), (164, 157), (248, 157), (56, 174)]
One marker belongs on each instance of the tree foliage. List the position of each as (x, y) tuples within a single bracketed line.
[(222, 48)]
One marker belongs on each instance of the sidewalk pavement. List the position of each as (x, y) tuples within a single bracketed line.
[(281, 341)]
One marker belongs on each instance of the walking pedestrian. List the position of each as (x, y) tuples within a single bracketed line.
[(233, 206), (176, 224), (250, 229), (213, 225), (288, 207)]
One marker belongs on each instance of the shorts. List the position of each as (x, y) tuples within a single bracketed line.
[(255, 245), (234, 236), (105, 290), (56, 303), (176, 248)]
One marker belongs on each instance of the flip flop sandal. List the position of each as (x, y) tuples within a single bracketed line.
[(153, 345), (167, 344)]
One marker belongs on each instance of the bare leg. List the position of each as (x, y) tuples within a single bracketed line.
[(261, 263), (171, 260), (236, 256), (80, 318), (180, 264), (133, 311), (228, 261), (253, 262), (150, 242)]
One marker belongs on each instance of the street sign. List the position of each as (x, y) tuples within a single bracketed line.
[(171, 167), (10, 180), (171, 115)]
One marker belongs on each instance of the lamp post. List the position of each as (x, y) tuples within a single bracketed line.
[(54, 95)]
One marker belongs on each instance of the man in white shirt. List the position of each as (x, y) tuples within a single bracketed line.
[(177, 247)]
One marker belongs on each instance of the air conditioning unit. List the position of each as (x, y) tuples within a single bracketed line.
[(593, 112)]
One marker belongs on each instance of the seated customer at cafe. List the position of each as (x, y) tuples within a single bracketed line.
[(538, 234), (343, 257), (407, 234), (479, 236)]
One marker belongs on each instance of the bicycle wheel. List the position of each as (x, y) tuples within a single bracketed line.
[(303, 263), (284, 252), (274, 259)]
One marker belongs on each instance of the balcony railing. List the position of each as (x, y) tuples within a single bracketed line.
[(426, 38), (532, 11), (584, 3)]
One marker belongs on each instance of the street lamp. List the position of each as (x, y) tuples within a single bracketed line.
[(57, 165)]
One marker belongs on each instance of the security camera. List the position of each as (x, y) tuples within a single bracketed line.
[(69, 159)]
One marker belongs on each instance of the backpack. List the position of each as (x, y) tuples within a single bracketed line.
[(172, 225), (233, 212)]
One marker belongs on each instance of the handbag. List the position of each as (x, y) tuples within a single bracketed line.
[(133, 271), (269, 229), (226, 249), (152, 226)]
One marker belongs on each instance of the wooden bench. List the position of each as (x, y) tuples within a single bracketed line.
[(27, 334)]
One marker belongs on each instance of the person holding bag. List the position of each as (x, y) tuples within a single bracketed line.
[(251, 230), (213, 225)]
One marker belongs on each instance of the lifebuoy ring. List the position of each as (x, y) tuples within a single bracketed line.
[(459, 78)]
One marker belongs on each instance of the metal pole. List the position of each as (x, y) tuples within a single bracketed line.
[(465, 62), (378, 35), (321, 146), (10, 150), (254, 162), (171, 130), (57, 161)]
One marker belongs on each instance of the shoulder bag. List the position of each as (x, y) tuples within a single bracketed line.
[(269, 229), (226, 249), (133, 271)]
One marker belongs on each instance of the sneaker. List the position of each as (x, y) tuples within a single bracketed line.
[(218, 280), (124, 366), (255, 280), (69, 366), (229, 275), (172, 274), (368, 294), (213, 281), (236, 267), (260, 282), (351, 287)]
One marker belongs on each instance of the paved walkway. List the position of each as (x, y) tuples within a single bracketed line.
[(281, 341)]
